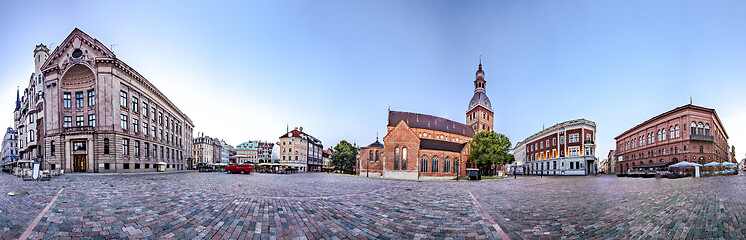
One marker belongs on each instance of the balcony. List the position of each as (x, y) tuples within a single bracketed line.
[(701, 137), (77, 130), (588, 142)]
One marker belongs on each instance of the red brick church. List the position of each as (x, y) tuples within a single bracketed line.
[(421, 146)]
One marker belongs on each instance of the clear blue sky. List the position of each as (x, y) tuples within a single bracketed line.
[(243, 70)]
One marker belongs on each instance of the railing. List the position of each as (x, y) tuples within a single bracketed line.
[(77, 129), (588, 142), (702, 137)]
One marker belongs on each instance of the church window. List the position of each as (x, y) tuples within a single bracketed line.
[(404, 159), (396, 158), (423, 164), (435, 164)]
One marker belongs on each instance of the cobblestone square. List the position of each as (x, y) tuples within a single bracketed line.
[(330, 206)]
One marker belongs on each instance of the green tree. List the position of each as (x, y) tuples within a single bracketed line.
[(344, 156), (488, 148)]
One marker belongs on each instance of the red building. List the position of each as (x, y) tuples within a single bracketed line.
[(420, 146), (687, 133), (567, 148)]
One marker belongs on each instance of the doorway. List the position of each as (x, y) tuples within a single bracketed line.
[(80, 163)]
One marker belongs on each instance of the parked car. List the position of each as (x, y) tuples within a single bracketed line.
[(239, 168)]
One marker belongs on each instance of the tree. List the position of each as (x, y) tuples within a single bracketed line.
[(488, 148), (344, 156)]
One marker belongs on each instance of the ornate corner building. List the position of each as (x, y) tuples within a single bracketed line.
[(97, 114), (421, 146)]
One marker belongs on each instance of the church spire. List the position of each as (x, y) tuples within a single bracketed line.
[(18, 99)]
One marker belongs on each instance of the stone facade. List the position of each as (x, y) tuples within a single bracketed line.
[(29, 112), (100, 115), (687, 133), (204, 149)]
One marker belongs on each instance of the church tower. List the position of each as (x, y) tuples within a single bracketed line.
[(479, 115)]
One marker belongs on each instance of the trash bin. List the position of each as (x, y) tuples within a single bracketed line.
[(473, 174)]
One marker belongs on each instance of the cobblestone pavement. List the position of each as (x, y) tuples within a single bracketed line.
[(329, 206)]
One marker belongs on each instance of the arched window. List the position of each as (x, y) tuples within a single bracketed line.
[(447, 165), (659, 135), (694, 129), (377, 153), (404, 159), (396, 158), (663, 133), (700, 128), (370, 156), (707, 129), (423, 164), (677, 130), (435, 164), (672, 133), (106, 146)]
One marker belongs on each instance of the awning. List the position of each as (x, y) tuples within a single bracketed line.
[(653, 165)]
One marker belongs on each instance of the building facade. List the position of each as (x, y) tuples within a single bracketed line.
[(248, 152), (687, 133), (264, 152), (420, 146), (567, 148), (612, 162), (301, 150), (519, 153), (9, 147), (29, 112), (203, 149), (100, 115)]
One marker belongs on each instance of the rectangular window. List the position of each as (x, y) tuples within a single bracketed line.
[(160, 118), (135, 107), (153, 128), (155, 151), (126, 166), (575, 137), (125, 146), (68, 121), (51, 145), (144, 109), (135, 127), (124, 122), (160, 134), (91, 97), (79, 99), (137, 148), (152, 115), (66, 100), (107, 165), (147, 149), (137, 166), (78, 120), (123, 99), (92, 120), (145, 128), (79, 146)]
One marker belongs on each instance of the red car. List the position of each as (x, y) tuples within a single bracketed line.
[(239, 168)]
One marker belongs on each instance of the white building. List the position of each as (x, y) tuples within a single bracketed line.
[(519, 152), (10, 147)]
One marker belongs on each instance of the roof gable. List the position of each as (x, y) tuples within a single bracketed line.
[(75, 40)]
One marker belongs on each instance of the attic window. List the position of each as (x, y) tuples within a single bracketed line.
[(77, 53)]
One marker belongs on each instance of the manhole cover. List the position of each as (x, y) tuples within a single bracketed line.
[(14, 193)]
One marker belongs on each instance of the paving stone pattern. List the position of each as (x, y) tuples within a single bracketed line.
[(195, 205)]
